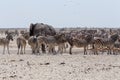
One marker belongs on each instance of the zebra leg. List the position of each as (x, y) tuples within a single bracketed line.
[(108, 51), (18, 51), (4, 49), (33, 51), (38, 50), (53, 51), (102, 51), (70, 50), (21, 50), (8, 49), (85, 53), (43, 48), (60, 49), (49, 50), (113, 51), (63, 50), (24, 49), (94, 51), (93, 46)]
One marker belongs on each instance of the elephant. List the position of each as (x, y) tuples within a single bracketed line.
[(41, 29)]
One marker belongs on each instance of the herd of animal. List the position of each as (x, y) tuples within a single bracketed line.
[(43, 38)]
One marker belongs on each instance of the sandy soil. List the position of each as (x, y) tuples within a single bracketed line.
[(58, 67)]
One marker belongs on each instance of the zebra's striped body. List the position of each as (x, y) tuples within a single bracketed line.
[(80, 43), (105, 43)]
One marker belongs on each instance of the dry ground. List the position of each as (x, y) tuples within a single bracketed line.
[(58, 67)]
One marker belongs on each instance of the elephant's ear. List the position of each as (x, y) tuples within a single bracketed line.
[(31, 25), (31, 29)]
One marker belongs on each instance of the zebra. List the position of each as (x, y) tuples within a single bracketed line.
[(116, 48), (21, 42), (5, 42), (80, 43), (105, 42), (52, 41), (32, 41)]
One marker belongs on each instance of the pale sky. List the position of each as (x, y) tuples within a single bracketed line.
[(60, 13)]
